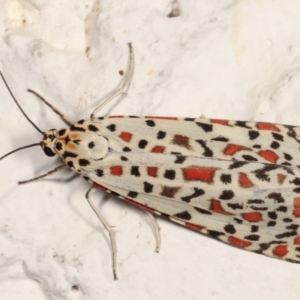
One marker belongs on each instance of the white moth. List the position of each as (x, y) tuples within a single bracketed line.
[(232, 180)]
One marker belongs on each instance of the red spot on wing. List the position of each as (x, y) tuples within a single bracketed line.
[(221, 122), (215, 206), (297, 240), (158, 149), (238, 242), (193, 226), (116, 170), (268, 155), (281, 178), (99, 186), (267, 126), (162, 118), (199, 174), (244, 181), (296, 211), (152, 171), (232, 149), (142, 206), (182, 141), (252, 216), (280, 250), (125, 136)]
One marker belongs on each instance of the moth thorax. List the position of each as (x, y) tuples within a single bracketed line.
[(49, 141)]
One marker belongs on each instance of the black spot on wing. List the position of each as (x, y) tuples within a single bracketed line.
[(252, 237), (202, 211), (99, 172), (93, 128), (150, 123), (170, 174), (205, 127), (185, 215), (161, 135), (83, 162), (253, 134), (229, 229), (76, 128), (227, 195), (220, 139), (225, 178), (142, 144), (277, 136), (237, 164), (207, 151), (275, 145), (135, 171), (180, 159), (132, 194), (148, 187), (111, 127)]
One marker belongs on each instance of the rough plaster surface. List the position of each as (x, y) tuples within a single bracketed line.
[(222, 59)]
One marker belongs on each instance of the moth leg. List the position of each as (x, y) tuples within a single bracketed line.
[(44, 175), (123, 87), (156, 230), (52, 107), (109, 230)]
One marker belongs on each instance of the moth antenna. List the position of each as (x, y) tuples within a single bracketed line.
[(20, 108), (18, 149)]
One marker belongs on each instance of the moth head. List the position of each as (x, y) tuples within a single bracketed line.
[(49, 141)]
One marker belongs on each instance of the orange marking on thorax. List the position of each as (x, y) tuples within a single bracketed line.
[(71, 146), (74, 136)]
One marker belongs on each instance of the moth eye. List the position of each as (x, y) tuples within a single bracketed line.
[(48, 151)]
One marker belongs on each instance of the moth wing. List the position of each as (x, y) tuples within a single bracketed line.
[(254, 208), (219, 139)]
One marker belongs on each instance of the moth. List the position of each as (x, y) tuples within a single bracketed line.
[(235, 181)]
